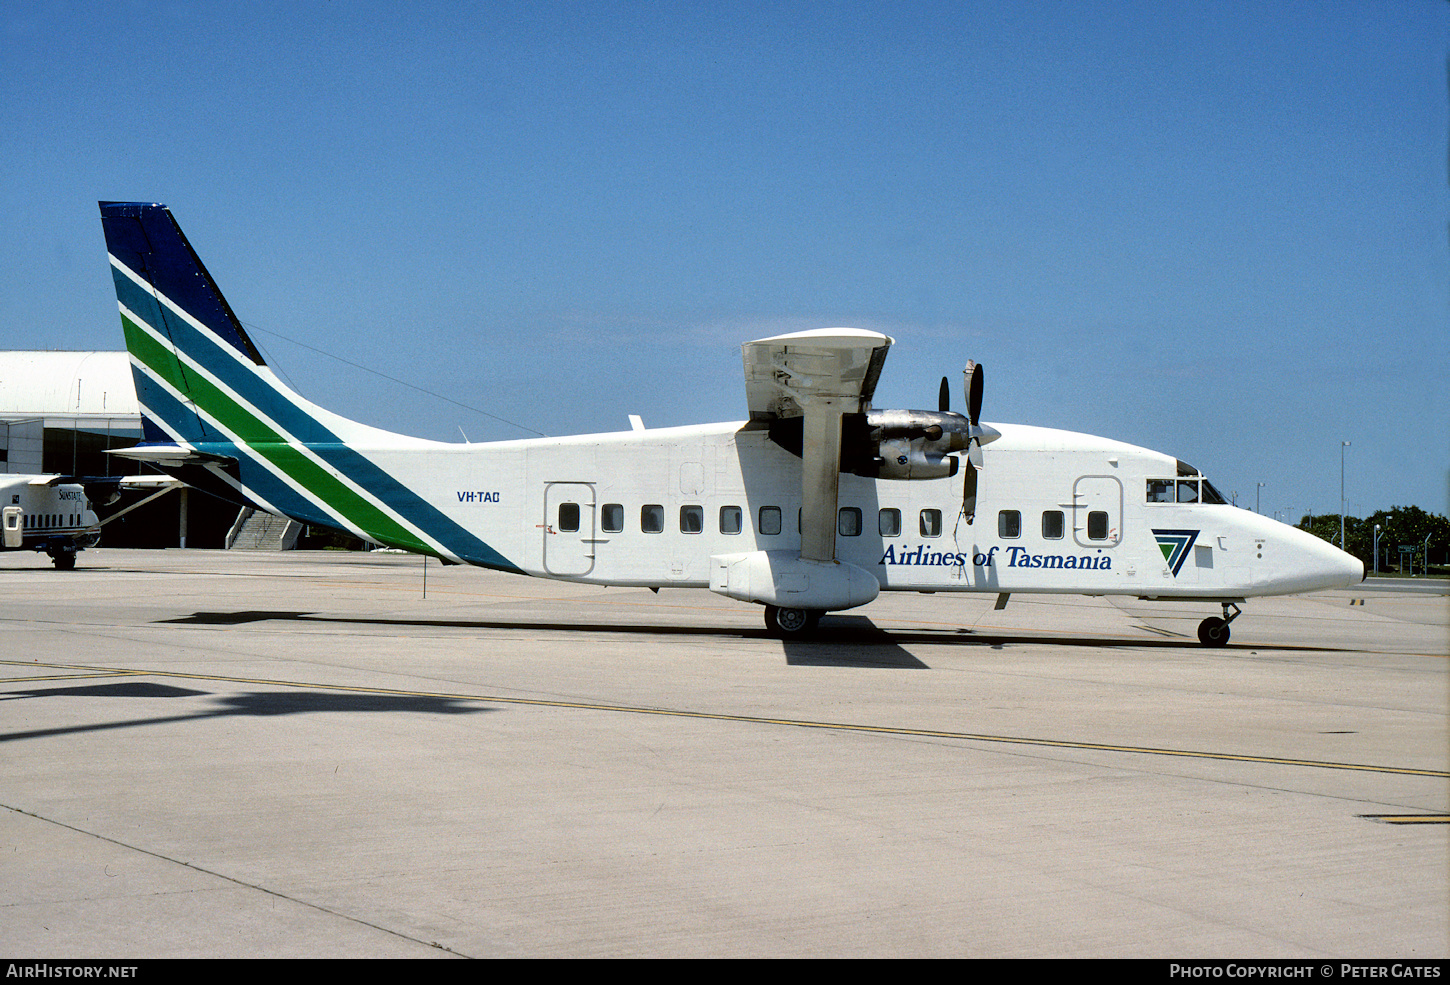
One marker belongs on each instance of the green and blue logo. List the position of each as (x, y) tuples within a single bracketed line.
[(1175, 545)]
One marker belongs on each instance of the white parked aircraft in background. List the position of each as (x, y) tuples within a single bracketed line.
[(817, 503), (53, 513), (46, 513)]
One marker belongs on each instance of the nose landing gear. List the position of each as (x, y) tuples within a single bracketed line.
[(1213, 631)]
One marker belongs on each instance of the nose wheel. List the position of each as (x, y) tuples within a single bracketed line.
[(790, 624), (1213, 631)]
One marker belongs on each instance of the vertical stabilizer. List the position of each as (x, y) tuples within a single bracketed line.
[(208, 397)]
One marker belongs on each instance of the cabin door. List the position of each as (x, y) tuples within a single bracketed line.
[(569, 528), (1097, 511), (14, 528)]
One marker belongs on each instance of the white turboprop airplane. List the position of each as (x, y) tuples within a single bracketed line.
[(53, 513), (815, 504), (46, 513)]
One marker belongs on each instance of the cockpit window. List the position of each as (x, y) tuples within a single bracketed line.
[(1188, 488)]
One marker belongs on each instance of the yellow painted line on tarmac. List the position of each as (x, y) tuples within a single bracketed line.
[(760, 720), (63, 677)]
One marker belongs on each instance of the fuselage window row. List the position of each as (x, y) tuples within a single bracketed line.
[(850, 520)]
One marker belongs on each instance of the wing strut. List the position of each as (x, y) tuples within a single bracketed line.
[(820, 479)]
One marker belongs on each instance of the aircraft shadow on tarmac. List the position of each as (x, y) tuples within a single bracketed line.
[(839, 641), (251, 704)]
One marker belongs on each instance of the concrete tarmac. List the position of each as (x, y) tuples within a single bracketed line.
[(211, 754)]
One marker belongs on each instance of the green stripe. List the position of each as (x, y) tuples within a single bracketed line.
[(261, 439)]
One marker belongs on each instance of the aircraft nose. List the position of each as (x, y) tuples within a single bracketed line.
[(1315, 565), (1347, 569)]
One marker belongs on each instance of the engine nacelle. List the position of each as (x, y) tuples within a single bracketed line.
[(894, 444), (908, 458), (905, 444)]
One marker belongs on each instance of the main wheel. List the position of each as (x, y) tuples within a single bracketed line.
[(1213, 631), (64, 560), (789, 623)]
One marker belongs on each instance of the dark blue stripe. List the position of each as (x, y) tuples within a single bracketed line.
[(147, 239), (157, 402)]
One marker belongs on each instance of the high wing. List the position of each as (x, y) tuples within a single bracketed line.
[(819, 376)]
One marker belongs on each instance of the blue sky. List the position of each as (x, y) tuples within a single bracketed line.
[(1215, 229)]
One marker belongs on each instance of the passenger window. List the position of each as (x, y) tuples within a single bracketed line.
[(731, 520), (1188, 490), (769, 524), (848, 521), (1097, 525), (692, 519), (1160, 490), (568, 517), (931, 523), (1053, 525), (611, 517), (1009, 524), (890, 523), (652, 518)]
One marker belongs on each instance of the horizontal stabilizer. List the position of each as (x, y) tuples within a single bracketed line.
[(171, 455)]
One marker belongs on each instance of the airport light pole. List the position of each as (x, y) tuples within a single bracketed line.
[(1342, 445), (1256, 495), (1377, 531)]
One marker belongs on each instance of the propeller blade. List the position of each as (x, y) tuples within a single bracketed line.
[(944, 396), (972, 383), (969, 492), (972, 377)]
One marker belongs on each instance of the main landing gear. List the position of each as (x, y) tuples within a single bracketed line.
[(1213, 631), (65, 560), (791, 624)]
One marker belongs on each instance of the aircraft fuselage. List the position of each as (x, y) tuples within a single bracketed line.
[(1058, 512)]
